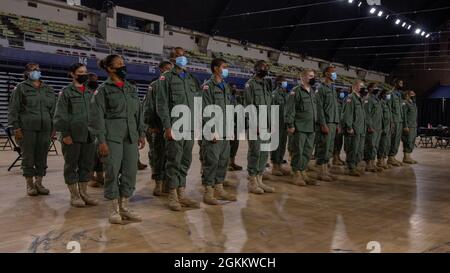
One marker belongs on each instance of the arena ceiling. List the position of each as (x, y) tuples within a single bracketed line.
[(370, 42)]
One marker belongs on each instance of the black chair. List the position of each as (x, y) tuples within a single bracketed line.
[(16, 149), (52, 147), (4, 139), (443, 138), (426, 137)]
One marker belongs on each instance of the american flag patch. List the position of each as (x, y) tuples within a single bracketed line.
[(95, 92), (205, 87), (162, 78), (349, 100)]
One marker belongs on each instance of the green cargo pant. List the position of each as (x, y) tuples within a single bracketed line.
[(157, 155), (385, 144), (325, 144), (178, 162), (215, 161), (352, 146), (409, 140), (395, 140), (34, 147), (120, 169), (277, 156), (256, 159), (371, 145), (302, 146), (78, 162)]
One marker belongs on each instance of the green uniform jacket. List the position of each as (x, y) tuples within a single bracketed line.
[(175, 90), (409, 114), (116, 113), (327, 105), (387, 115), (280, 97), (151, 118), (353, 116), (259, 92), (32, 108), (374, 112), (396, 107), (301, 112), (213, 95), (72, 113)]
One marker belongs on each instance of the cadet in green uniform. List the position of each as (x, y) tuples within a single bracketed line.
[(397, 121), (409, 126), (71, 121), (328, 122), (98, 175), (280, 98), (234, 144), (117, 122), (300, 118), (155, 134), (216, 148), (258, 91), (374, 118), (177, 87), (353, 121), (385, 138), (339, 139), (30, 115)]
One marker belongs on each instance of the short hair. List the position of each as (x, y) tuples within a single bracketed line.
[(107, 62), (258, 64), (371, 85), (174, 50), (162, 64), (328, 68), (305, 71), (217, 62), (74, 68), (27, 69)]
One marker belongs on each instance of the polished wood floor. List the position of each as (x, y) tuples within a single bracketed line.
[(406, 209)]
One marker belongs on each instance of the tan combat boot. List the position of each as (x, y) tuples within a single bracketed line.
[(276, 170), (264, 187), (377, 168), (114, 215), (228, 183), (392, 161), (39, 187), (208, 196), (370, 167), (185, 201), (308, 180), (354, 172), (85, 196), (380, 162), (174, 204), (157, 191), (31, 188), (284, 171), (75, 198), (323, 175), (408, 160), (221, 194), (297, 179), (126, 213), (253, 186)]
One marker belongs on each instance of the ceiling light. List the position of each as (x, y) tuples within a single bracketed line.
[(373, 10), (398, 21)]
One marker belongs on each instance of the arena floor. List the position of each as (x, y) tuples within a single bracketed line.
[(406, 209)]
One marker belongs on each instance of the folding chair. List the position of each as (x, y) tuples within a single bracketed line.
[(4, 138), (16, 149), (52, 147)]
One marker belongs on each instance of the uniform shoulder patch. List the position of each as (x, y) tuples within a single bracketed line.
[(292, 93), (205, 87), (366, 101), (404, 103), (349, 100), (162, 78), (95, 92), (60, 93), (247, 85)]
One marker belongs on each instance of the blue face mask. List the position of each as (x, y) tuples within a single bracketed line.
[(284, 84), (341, 95), (35, 75), (225, 73), (181, 61), (388, 97), (334, 76)]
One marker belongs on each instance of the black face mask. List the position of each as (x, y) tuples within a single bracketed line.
[(312, 81), (121, 72), (262, 73), (92, 85), (81, 79)]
